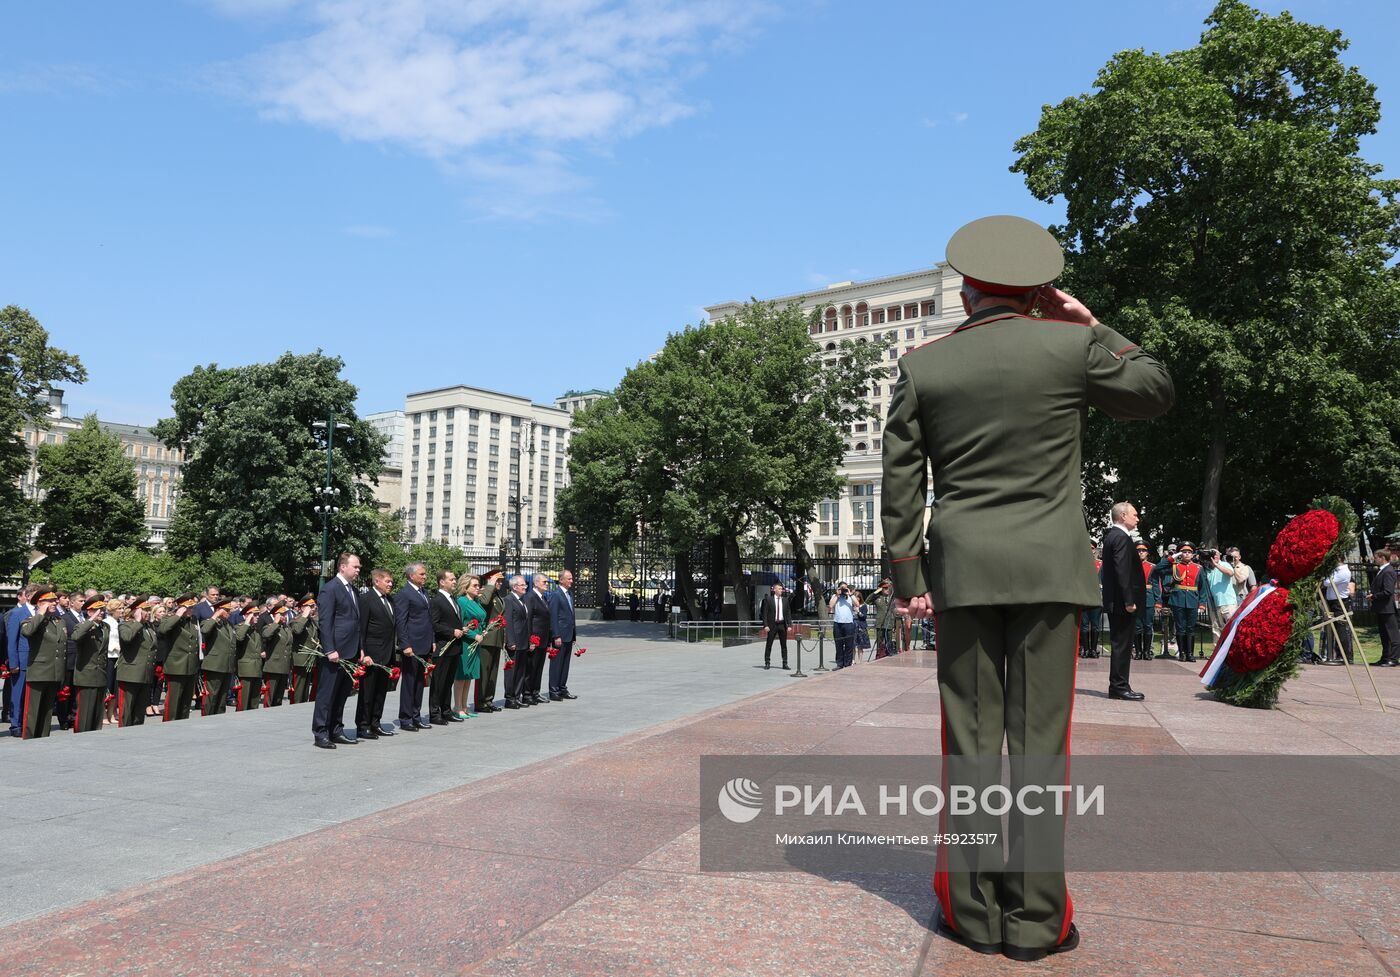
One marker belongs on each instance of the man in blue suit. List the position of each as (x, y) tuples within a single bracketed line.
[(413, 622), (338, 615), (17, 656), (562, 626)]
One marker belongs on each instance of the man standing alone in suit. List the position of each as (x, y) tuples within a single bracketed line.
[(413, 630), (563, 626), (539, 640), (447, 634), (338, 613), (377, 642), (777, 618), (1124, 594)]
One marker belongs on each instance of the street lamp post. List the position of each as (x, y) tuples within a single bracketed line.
[(326, 494)]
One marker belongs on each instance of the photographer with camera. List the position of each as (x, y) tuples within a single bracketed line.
[(842, 607), (1219, 589)]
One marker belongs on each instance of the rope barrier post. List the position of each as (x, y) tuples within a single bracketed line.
[(821, 649), (799, 673)]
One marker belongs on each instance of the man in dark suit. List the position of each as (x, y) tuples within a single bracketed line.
[(777, 618), (447, 634), (377, 638), (539, 641), (563, 627), (1383, 588), (1124, 594), (338, 615), (517, 643), (413, 628)]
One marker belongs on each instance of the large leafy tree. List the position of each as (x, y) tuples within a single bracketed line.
[(254, 462), (28, 366), (89, 489), (134, 571), (1219, 211), (734, 428)]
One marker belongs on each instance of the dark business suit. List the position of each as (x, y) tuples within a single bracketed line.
[(1383, 586), (517, 646), (1123, 585), (413, 625), (446, 619), (562, 627), (377, 638), (538, 606), (777, 625), (17, 652), (338, 615)]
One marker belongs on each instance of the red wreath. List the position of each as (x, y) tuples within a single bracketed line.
[(1302, 545), (1260, 637)]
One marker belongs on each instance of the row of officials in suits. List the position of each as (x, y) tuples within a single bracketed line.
[(75, 657)]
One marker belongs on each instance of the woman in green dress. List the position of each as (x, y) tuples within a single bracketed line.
[(468, 591)]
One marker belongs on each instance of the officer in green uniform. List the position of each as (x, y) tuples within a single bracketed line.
[(220, 657), (492, 647), (997, 407), (886, 620), (307, 642), (181, 665), (1146, 614), (277, 642), (48, 660), (90, 669), (248, 647), (136, 663)]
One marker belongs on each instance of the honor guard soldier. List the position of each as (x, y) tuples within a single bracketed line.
[(136, 663), (48, 655), (997, 407), (492, 647), (220, 657), (1184, 599), (248, 647), (277, 642), (1142, 636), (90, 671), (181, 665), (307, 642)]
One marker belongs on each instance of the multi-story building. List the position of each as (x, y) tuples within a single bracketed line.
[(576, 400), (388, 491), (901, 311), (157, 467), (477, 463)]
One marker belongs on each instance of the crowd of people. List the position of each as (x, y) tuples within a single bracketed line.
[(85, 660)]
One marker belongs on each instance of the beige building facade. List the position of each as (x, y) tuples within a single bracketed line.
[(902, 312)]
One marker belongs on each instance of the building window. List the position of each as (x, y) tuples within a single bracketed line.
[(432, 415), (432, 431), (879, 317), (893, 313), (910, 311), (828, 519), (909, 334), (894, 354), (929, 308)]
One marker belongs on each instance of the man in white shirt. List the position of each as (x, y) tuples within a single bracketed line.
[(1336, 590)]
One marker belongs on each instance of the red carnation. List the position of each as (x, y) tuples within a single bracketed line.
[(428, 668), (394, 674), (355, 684), (499, 620), (1302, 545), (160, 674), (510, 663), (65, 693), (554, 653), (579, 652), (473, 624), (108, 698), (1260, 636), (534, 641), (360, 672)]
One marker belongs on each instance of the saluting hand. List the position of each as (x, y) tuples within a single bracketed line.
[(1061, 305)]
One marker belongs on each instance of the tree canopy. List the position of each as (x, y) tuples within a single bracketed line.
[(1219, 212), (134, 571), (28, 367), (90, 498), (254, 463)]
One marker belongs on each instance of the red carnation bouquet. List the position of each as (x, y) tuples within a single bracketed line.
[(1260, 638), (534, 641), (1302, 545), (160, 673), (579, 653)]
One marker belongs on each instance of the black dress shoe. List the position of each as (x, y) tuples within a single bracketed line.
[(766, 666), (1130, 695), (407, 728), (419, 724), (366, 734), (555, 697), (340, 739), (1070, 942), (386, 731), (942, 928), (566, 694), (452, 717), (325, 744), (512, 704)]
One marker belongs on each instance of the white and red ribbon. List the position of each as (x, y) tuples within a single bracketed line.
[(1227, 637)]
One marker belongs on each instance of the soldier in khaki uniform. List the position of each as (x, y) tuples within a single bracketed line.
[(48, 660), (136, 664), (90, 670), (997, 408), (492, 647), (248, 647), (277, 642), (306, 643), (220, 657), (181, 665)]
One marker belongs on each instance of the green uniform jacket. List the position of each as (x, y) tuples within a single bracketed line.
[(277, 642), (220, 649), (90, 640), (249, 647), (183, 633), (493, 600), (1178, 595), (885, 617), (307, 638), (137, 662), (48, 647), (998, 408)]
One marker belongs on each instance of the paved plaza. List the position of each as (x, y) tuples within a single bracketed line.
[(564, 839)]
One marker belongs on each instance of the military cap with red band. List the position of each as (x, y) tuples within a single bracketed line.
[(1005, 255)]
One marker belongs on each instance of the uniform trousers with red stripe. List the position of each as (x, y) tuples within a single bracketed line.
[(1006, 673), (132, 700)]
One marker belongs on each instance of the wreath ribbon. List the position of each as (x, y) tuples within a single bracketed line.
[(1227, 637)]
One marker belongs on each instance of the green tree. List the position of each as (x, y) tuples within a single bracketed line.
[(89, 489), (1219, 211), (736, 427), (134, 571), (254, 463), (28, 367)]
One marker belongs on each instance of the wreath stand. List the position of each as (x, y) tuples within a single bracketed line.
[(1330, 622)]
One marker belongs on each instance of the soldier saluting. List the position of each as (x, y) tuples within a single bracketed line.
[(997, 408), (136, 663), (90, 670), (220, 656), (277, 642), (48, 660), (181, 663)]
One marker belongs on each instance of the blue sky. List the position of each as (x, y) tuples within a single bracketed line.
[(526, 195)]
